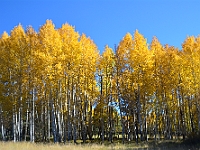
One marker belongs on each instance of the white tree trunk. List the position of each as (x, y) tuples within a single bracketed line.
[(14, 126), (2, 126), (33, 117)]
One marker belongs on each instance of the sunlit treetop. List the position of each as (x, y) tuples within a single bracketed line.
[(188, 45)]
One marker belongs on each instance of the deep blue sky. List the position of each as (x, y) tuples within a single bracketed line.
[(107, 21)]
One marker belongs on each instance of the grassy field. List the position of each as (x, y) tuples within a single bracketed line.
[(162, 145), (34, 146)]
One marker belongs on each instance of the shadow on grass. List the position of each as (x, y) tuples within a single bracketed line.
[(188, 144), (191, 143)]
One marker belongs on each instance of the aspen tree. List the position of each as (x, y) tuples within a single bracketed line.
[(121, 69), (139, 60), (19, 45), (87, 83), (106, 68)]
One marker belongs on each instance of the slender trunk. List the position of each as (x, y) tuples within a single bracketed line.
[(33, 115), (62, 127), (49, 119), (53, 121), (144, 121), (2, 132), (58, 112), (101, 111), (32, 118), (128, 127), (136, 131), (110, 112), (31, 126), (20, 121), (2, 125), (69, 128), (120, 109), (14, 126), (90, 131), (62, 124), (59, 126), (182, 115), (119, 94), (145, 127), (84, 119), (74, 112), (167, 124), (133, 124), (110, 124), (182, 123), (74, 127), (26, 127), (45, 126), (157, 117), (122, 121), (138, 104), (54, 129), (74, 120)]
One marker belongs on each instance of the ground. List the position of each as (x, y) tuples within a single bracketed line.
[(151, 145)]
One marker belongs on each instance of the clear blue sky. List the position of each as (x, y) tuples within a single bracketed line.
[(107, 21)]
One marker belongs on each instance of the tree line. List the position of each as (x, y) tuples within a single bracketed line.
[(56, 86)]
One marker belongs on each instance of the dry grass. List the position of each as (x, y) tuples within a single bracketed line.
[(172, 145), (34, 146)]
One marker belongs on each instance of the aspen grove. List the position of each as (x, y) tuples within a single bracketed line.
[(56, 86)]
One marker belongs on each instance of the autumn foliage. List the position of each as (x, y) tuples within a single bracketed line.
[(55, 85)]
